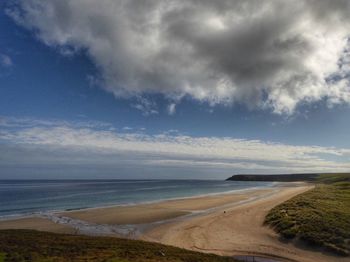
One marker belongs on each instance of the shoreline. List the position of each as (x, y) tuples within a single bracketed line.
[(122, 220), (136, 204)]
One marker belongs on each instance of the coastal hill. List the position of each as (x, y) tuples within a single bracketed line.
[(28, 245), (307, 177)]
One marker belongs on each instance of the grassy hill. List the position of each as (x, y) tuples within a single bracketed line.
[(320, 217), (28, 245)]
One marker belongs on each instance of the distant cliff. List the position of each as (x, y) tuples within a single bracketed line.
[(275, 178)]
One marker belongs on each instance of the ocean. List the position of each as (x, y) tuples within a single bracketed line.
[(27, 197)]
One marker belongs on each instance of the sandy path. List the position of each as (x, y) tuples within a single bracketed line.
[(237, 231)]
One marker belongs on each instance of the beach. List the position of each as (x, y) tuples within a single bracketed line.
[(225, 224), (154, 212), (130, 220), (239, 230)]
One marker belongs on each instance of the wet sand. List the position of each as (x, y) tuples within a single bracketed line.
[(37, 223)]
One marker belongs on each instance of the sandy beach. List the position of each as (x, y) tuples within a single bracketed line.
[(226, 224), (238, 230), (108, 220), (148, 213)]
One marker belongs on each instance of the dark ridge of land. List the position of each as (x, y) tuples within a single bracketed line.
[(319, 217), (29, 245), (307, 177)]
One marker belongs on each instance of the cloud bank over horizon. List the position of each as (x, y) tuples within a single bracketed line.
[(268, 54), (60, 146)]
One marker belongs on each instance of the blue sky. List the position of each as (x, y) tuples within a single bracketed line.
[(48, 86)]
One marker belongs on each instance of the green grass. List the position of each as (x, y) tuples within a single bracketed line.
[(321, 216), (2, 257), (333, 178), (28, 245)]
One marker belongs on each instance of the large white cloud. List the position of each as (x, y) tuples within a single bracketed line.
[(269, 54)]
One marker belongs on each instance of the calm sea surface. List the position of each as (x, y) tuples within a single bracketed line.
[(32, 196)]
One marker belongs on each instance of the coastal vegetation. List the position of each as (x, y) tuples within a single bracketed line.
[(309, 177), (320, 217), (28, 245)]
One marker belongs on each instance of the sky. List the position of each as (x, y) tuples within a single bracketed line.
[(173, 89)]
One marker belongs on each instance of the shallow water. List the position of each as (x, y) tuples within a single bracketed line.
[(19, 197)]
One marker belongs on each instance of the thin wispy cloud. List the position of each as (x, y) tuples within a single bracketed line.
[(171, 109), (264, 54), (5, 60), (127, 128), (27, 122), (146, 106), (90, 145)]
